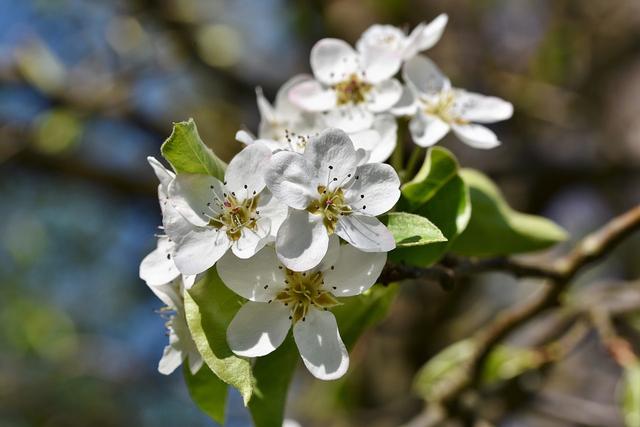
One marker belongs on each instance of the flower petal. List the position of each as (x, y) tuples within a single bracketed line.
[(164, 175), (175, 225), (424, 37), (379, 63), (333, 156), (284, 109), (311, 95), (251, 241), (331, 257), (407, 104), (321, 346), (365, 232), (244, 174), (478, 108), (332, 60), (258, 328), (196, 197), (384, 95), (272, 208), (302, 241), (387, 127), (248, 277), (170, 294), (424, 76), (375, 190), (291, 179), (354, 272), (476, 136), (349, 118), (171, 359), (264, 106), (426, 130), (158, 268), (200, 249)]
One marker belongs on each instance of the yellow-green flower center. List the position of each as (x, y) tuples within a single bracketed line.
[(443, 108), (331, 205), (352, 90), (236, 215), (305, 290)]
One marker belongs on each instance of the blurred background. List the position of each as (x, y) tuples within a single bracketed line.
[(89, 88)]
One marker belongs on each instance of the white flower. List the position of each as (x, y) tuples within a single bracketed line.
[(395, 46), (437, 108), (181, 345), (279, 298), (238, 214), (348, 87), (329, 193)]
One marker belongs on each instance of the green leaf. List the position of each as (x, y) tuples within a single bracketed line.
[(188, 154), (207, 391), (273, 374), (507, 362), (438, 168), (496, 229), (444, 370), (209, 308), (361, 312), (630, 402), (412, 230)]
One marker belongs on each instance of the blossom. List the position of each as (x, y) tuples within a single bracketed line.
[(181, 345), (348, 87), (237, 213), (437, 107), (395, 46), (280, 298), (328, 192)]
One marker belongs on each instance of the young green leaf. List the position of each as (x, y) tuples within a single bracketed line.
[(630, 402), (273, 374), (209, 308), (438, 168), (207, 391), (496, 229), (412, 230), (507, 362), (444, 370), (188, 154), (444, 200)]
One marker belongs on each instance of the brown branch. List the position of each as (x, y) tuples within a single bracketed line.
[(589, 250)]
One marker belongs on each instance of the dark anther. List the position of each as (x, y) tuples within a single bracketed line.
[(330, 167), (245, 186)]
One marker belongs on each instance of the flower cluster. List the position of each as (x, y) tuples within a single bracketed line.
[(292, 226)]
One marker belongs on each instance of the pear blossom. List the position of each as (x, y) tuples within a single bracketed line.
[(328, 192), (437, 108), (393, 44), (348, 87), (238, 213), (280, 298), (181, 345)]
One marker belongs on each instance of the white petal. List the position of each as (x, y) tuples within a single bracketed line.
[(244, 175), (158, 268), (284, 109), (321, 346), (349, 118), (387, 127), (196, 197), (380, 63), (190, 280), (291, 179), (248, 277), (164, 175), (245, 137), (258, 328), (251, 241), (384, 95), (331, 257), (424, 76), (332, 60), (424, 37), (171, 359), (354, 272), (478, 108), (302, 241), (200, 249), (175, 225), (476, 136), (170, 294), (426, 130), (375, 190), (407, 104), (333, 156), (365, 232), (195, 362), (272, 208), (311, 95), (264, 107), (382, 36)]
